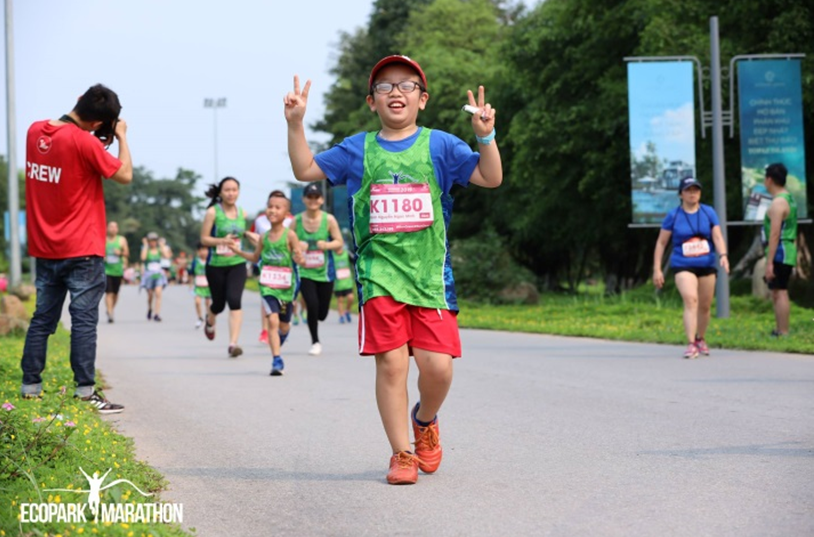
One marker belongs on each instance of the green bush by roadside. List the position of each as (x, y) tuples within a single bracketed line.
[(646, 316), (44, 442)]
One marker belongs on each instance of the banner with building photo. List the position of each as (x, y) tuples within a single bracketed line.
[(771, 130), (661, 99)]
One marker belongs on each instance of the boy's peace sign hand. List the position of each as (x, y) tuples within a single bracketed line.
[(295, 101), (484, 122)]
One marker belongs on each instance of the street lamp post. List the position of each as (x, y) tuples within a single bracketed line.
[(214, 104)]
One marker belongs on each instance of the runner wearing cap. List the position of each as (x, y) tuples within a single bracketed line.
[(153, 279), (319, 235), (399, 180), (694, 228), (116, 256)]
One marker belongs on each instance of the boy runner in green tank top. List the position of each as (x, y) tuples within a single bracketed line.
[(199, 283), (343, 286), (399, 183), (153, 250), (779, 238), (116, 256), (277, 250)]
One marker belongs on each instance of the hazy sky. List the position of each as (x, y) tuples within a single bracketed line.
[(164, 57)]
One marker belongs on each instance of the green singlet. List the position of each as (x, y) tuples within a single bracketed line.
[(318, 263), (405, 264), (114, 263), (277, 276), (152, 264), (344, 272), (199, 279), (222, 256), (786, 248)]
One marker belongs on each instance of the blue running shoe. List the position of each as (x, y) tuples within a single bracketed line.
[(277, 367)]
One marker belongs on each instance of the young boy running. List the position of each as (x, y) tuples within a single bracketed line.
[(276, 251), (400, 179), (200, 284), (343, 286)]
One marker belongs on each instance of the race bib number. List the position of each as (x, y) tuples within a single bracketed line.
[(165, 263), (224, 250), (342, 274), (276, 277), (314, 258), (201, 281), (402, 208), (695, 247), (113, 259), (154, 266)]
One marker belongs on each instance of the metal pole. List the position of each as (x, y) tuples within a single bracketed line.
[(217, 177), (11, 130), (719, 189)]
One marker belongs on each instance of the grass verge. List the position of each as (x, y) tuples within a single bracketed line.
[(43, 443), (643, 315)]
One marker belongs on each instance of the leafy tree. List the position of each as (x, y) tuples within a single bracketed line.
[(166, 206)]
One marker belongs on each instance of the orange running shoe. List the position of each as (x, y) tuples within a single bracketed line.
[(403, 469), (427, 444)]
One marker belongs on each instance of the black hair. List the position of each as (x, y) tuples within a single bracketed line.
[(214, 190), (777, 172), (99, 103), (277, 194), (200, 245)]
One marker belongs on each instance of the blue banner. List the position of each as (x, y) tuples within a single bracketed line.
[(662, 135), (771, 130)]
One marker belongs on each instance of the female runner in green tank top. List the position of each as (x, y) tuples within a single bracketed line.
[(153, 250), (319, 237), (223, 228)]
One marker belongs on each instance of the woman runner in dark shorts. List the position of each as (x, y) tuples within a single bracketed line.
[(694, 228)]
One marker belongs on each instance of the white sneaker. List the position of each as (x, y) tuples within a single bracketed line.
[(316, 349), (198, 324)]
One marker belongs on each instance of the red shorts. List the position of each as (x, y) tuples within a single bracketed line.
[(385, 324)]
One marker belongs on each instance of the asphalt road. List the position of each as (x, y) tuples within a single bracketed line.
[(542, 435)]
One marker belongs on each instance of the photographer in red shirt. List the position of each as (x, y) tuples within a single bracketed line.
[(64, 168)]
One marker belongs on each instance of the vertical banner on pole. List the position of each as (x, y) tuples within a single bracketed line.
[(771, 130), (662, 135)]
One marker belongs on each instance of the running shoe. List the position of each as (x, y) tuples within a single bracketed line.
[(264, 337), (102, 405), (296, 320), (427, 444), (235, 351), (403, 469), (109, 319), (691, 352), (702, 346), (341, 319), (316, 349), (277, 367), (198, 323), (157, 318), (347, 316), (209, 330), (149, 315)]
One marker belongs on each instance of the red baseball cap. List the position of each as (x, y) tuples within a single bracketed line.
[(396, 58)]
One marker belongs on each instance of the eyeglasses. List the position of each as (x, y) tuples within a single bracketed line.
[(405, 86)]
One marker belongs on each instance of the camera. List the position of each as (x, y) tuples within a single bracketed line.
[(105, 132)]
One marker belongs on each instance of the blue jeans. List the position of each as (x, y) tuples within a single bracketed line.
[(84, 278)]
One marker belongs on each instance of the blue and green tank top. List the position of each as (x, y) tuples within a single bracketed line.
[(277, 274), (786, 248)]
